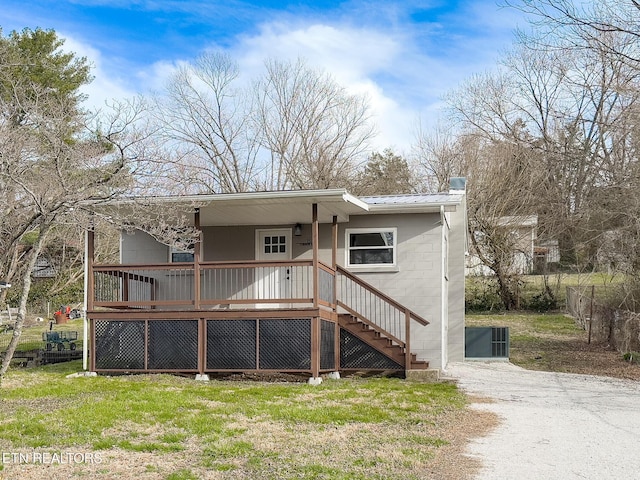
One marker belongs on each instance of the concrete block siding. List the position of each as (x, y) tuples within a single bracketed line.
[(416, 282)]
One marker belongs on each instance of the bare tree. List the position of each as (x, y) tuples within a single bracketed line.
[(570, 109), (442, 154), (205, 122), (314, 131), (562, 24)]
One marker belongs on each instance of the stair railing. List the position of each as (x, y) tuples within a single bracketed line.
[(376, 309)]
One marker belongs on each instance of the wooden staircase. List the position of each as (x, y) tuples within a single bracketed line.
[(380, 340)]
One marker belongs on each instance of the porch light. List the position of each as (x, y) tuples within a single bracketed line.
[(297, 230)]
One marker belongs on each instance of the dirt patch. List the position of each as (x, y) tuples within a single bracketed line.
[(452, 461), (574, 356), (554, 343)]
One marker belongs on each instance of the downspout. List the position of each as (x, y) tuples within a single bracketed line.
[(444, 321)]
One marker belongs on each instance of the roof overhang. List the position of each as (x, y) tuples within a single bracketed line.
[(262, 208), (285, 207), (414, 203)]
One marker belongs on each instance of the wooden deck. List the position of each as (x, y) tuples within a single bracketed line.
[(244, 317)]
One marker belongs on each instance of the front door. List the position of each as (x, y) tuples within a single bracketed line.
[(273, 282)]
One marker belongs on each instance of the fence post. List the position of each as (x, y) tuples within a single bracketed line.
[(593, 291)]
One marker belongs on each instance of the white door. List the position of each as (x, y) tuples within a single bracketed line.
[(273, 282)]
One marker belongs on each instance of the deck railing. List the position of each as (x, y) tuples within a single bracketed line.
[(155, 299), (375, 308), (265, 284)]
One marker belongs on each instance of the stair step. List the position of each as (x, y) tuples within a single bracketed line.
[(377, 340), (420, 365)]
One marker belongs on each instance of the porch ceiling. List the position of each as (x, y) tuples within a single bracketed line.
[(280, 209), (258, 208)]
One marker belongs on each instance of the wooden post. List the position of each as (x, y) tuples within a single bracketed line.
[(125, 286), (197, 294), (92, 346), (202, 345), (314, 248), (146, 344), (334, 259), (336, 342), (407, 340), (334, 242), (315, 347), (334, 265), (315, 321), (196, 262), (91, 251)]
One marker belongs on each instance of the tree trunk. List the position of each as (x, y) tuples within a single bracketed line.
[(22, 308), (504, 290)]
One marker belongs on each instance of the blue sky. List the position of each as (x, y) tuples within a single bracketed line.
[(403, 55)]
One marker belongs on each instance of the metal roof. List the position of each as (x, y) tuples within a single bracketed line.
[(422, 198), (423, 202)]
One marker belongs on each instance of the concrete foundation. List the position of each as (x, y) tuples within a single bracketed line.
[(430, 375), (315, 381), (82, 374), (334, 376), (202, 377)]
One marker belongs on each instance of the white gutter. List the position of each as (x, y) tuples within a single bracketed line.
[(347, 197), (229, 197), (431, 207), (444, 322)]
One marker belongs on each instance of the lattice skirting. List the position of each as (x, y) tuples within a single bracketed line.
[(357, 355), (229, 345), (242, 345)]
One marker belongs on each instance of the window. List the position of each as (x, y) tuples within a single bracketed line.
[(178, 256), (371, 246), (275, 244)]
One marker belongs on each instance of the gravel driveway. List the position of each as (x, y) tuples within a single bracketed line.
[(554, 425)]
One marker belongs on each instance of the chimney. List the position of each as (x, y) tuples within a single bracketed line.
[(457, 185)]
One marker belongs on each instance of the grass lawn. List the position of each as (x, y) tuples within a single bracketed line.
[(170, 427), (605, 284), (552, 342), (31, 337)]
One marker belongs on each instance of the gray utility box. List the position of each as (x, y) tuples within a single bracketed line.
[(486, 342)]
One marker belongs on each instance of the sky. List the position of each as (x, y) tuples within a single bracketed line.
[(405, 56)]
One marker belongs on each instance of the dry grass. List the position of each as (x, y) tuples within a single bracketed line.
[(162, 427), (554, 343)]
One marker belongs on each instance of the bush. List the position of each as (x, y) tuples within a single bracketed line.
[(481, 295), (40, 295), (541, 302)]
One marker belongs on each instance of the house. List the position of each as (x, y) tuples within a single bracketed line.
[(291, 281), (43, 268), (523, 243)]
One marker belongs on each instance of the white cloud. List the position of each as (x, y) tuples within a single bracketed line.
[(104, 87), (353, 57), (404, 70)]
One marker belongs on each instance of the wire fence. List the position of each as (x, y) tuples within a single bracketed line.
[(618, 328)]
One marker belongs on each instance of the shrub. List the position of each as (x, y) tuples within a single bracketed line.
[(481, 295), (541, 302)]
